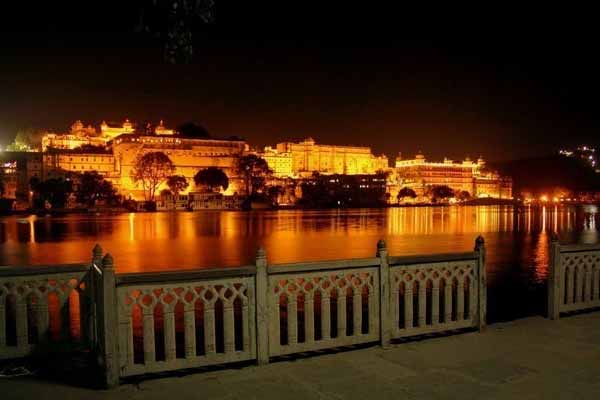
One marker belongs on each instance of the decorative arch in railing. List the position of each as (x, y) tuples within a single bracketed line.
[(573, 278), (225, 331), (322, 307), (582, 277), (42, 308), (433, 297)]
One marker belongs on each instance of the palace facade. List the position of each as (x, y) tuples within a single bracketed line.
[(189, 155), (279, 162), (420, 174), (308, 157), (65, 163)]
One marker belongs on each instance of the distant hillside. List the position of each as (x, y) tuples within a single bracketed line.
[(541, 173)]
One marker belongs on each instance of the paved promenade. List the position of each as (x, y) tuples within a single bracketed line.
[(531, 358)]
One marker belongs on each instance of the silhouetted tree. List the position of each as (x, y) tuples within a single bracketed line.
[(177, 184), (192, 130), (274, 192), (92, 186), (255, 171), (213, 178), (463, 195), (406, 192), (152, 169), (440, 192), (53, 191)]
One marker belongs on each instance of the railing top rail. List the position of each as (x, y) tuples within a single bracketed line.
[(573, 248), (433, 258), (7, 271), (323, 265), (183, 275)]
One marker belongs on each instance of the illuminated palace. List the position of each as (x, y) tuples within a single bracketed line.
[(112, 151), (303, 158), (473, 177), (189, 155), (117, 146), (80, 135)]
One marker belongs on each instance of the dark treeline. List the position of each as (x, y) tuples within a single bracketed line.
[(328, 191)]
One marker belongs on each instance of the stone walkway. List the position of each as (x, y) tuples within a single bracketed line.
[(532, 358)]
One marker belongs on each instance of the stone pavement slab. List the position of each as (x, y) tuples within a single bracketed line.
[(532, 358)]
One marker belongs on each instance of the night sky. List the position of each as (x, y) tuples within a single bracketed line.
[(501, 96)]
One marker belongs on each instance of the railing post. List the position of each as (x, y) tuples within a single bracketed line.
[(554, 279), (482, 284), (385, 316), (109, 324), (91, 289), (262, 308), (2, 319)]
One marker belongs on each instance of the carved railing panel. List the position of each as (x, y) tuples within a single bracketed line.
[(197, 323), (579, 280), (39, 310), (433, 297), (323, 309)]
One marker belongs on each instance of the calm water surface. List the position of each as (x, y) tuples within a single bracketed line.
[(517, 240)]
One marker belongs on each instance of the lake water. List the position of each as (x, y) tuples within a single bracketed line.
[(517, 240)]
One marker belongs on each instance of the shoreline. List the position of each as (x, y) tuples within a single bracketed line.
[(478, 202)]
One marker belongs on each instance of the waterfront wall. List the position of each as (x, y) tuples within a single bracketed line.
[(153, 322)]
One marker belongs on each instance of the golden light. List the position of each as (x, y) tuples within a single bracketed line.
[(544, 198)]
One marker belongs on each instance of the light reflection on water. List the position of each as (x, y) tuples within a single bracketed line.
[(517, 240)]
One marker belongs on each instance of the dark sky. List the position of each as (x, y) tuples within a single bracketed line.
[(503, 96)]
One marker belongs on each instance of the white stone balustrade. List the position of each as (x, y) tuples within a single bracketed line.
[(153, 322), (573, 278)]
